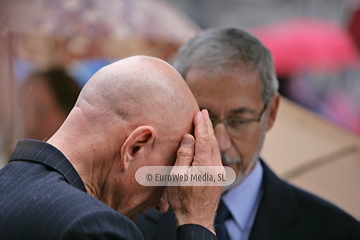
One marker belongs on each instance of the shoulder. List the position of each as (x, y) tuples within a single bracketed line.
[(324, 218), (77, 215), (47, 207), (315, 207), (89, 218), (101, 223), (86, 217), (309, 204), (304, 212)]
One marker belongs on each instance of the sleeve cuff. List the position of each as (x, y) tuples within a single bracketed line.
[(194, 232)]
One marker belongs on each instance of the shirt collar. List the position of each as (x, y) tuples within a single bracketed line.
[(242, 201), (48, 155)]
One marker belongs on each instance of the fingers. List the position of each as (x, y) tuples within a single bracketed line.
[(208, 122), (185, 153), (206, 146), (204, 149), (214, 144), (202, 145), (197, 204)]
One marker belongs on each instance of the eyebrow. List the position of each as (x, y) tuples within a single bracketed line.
[(243, 110)]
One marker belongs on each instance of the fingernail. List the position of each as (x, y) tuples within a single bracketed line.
[(202, 115), (187, 140), (205, 114)]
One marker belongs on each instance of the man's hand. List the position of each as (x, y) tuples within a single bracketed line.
[(197, 204)]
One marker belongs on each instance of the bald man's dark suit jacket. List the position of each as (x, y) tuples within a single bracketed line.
[(43, 197), (285, 212)]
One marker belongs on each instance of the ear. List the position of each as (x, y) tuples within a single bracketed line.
[(135, 145), (273, 108)]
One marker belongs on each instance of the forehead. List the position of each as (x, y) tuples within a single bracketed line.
[(233, 89)]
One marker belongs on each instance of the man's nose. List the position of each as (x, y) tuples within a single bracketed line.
[(223, 137), (162, 205)]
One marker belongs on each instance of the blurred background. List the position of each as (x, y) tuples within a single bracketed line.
[(49, 49)]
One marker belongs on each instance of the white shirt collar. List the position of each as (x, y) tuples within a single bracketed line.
[(243, 200)]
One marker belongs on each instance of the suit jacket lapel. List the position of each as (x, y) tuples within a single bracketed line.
[(278, 209)]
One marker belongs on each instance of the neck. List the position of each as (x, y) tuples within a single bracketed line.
[(87, 153)]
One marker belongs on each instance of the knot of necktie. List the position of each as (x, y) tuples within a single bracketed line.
[(223, 213)]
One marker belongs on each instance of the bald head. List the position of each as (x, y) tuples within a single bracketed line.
[(140, 90), (130, 114)]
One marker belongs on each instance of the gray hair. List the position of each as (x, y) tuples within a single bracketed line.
[(217, 50)]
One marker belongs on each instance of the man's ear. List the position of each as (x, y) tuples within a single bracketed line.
[(139, 140), (273, 108)]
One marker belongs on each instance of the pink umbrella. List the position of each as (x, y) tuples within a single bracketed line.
[(300, 44)]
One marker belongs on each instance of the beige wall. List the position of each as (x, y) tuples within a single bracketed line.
[(315, 155)]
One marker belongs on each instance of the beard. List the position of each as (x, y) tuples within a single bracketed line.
[(242, 173), (226, 160)]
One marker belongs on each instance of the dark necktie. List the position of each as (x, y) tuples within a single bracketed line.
[(222, 215)]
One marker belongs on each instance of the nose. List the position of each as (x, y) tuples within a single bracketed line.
[(222, 136), (162, 205)]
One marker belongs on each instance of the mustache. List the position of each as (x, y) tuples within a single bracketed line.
[(225, 159)]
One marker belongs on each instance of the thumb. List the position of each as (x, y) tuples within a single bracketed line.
[(185, 153)]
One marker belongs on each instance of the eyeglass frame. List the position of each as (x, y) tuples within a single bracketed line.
[(224, 120)]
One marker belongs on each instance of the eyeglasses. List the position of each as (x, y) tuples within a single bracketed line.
[(237, 126)]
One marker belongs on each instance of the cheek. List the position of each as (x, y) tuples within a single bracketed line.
[(167, 156), (249, 145)]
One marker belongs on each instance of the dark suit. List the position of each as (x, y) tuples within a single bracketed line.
[(43, 197), (285, 212)]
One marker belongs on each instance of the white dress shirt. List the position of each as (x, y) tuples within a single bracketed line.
[(243, 202)]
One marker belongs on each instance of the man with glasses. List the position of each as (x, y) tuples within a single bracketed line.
[(231, 74)]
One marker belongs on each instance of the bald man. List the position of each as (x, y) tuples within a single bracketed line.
[(81, 183)]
